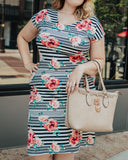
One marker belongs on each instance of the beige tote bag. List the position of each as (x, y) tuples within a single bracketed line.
[(91, 110)]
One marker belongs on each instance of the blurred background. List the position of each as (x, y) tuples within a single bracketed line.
[(14, 78), (14, 14)]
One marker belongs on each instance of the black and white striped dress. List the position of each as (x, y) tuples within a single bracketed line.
[(61, 48)]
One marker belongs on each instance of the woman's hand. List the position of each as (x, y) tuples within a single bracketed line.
[(31, 67), (74, 79)]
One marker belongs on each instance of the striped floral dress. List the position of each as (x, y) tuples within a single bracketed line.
[(61, 48)]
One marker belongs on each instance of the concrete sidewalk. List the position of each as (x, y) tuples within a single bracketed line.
[(12, 68), (105, 148), (121, 156)]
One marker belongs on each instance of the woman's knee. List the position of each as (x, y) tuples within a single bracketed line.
[(64, 156), (41, 157)]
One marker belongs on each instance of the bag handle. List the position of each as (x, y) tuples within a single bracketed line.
[(101, 80), (99, 85)]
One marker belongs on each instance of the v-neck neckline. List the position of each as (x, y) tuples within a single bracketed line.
[(56, 14)]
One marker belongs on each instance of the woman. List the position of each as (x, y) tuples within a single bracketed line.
[(65, 35)]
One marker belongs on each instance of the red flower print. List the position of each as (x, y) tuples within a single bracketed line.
[(74, 140), (90, 139), (76, 58), (54, 103), (44, 11), (76, 132), (79, 26), (55, 147), (52, 83), (31, 134), (78, 52), (32, 95), (51, 42), (40, 16), (47, 17), (51, 125), (84, 25), (55, 63), (60, 26)]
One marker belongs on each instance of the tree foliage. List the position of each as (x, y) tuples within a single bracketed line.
[(112, 14)]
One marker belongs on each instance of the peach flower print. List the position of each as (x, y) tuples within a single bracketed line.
[(75, 40), (34, 96), (54, 103), (38, 97), (45, 76), (37, 141), (90, 139), (60, 26), (93, 30), (55, 147), (43, 118), (55, 63), (47, 18)]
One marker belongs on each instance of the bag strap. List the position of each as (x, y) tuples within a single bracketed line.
[(100, 78), (99, 85)]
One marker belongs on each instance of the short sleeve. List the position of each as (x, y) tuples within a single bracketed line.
[(98, 31), (38, 17)]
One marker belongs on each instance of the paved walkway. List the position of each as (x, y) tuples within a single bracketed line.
[(121, 156), (105, 148), (12, 68)]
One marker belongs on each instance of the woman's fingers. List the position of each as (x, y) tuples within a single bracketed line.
[(70, 86), (77, 85), (35, 68), (73, 87)]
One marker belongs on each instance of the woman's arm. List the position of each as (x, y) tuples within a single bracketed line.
[(27, 34), (97, 51)]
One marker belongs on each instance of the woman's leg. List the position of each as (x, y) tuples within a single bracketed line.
[(42, 157), (65, 156)]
